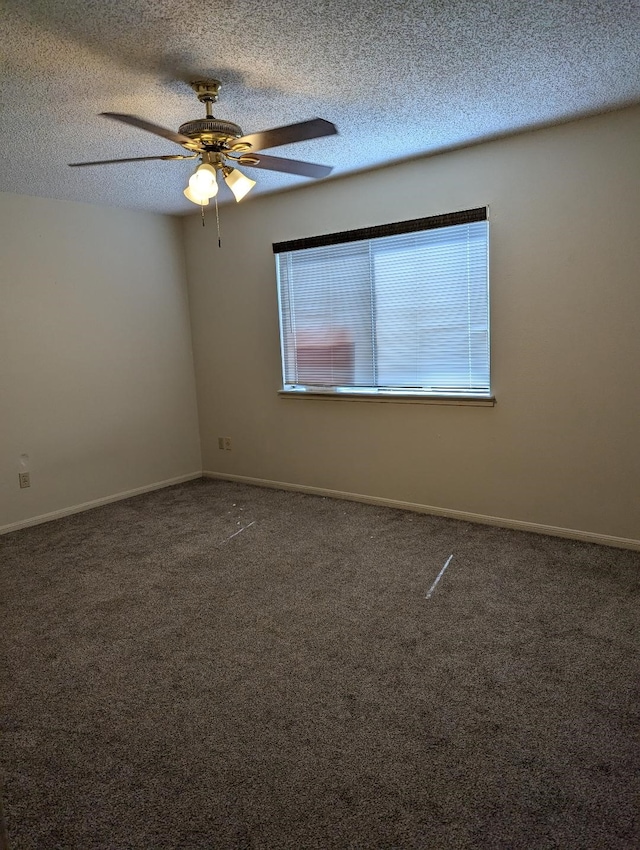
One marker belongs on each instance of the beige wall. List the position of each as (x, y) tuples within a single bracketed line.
[(561, 447), (96, 370)]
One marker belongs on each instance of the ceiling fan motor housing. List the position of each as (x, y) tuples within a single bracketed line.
[(211, 133)]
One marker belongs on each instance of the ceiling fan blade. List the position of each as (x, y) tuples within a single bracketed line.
[(156, 129), (288, 166), (130, 159), (313, 129)]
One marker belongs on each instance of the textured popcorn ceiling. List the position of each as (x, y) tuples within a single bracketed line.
[(398, 79)]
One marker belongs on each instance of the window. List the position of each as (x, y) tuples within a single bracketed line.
[(397, 309)]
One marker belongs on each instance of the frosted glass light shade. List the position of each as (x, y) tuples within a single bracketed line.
[(238, 182), (203, 181), (195, 198)]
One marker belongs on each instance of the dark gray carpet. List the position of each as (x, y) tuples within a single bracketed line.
[(170, 685)]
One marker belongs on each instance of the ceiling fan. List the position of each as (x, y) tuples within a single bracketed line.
[(220, 145)]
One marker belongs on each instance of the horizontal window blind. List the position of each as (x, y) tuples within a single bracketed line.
[(406, 312)]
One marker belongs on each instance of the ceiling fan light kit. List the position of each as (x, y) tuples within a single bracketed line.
[(220, 145)]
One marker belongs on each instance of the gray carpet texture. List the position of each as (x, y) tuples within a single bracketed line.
[(216, 665)]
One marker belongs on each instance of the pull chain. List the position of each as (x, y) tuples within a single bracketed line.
[(218, 222), (202, 211)]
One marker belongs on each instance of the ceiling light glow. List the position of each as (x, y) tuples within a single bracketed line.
[(195, 198), (203, 182)]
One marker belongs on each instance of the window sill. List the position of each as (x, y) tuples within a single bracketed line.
[(395, 398)]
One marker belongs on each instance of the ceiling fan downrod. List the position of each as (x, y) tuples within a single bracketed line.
[(207, 92), (210, 133)]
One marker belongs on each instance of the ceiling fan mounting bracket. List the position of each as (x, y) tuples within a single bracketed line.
[(207, 90)]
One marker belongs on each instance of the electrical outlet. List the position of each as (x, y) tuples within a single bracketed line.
[(227, 444), (221, 442), (25, 479)]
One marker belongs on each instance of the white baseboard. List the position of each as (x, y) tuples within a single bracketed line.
[(96, 503), (519, 525), (502, 522)]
